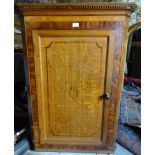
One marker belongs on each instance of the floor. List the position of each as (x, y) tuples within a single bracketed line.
[(119, 151)]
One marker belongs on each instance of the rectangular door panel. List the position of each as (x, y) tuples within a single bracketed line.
[(72, 74)]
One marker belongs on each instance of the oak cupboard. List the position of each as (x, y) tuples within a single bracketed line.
[(75, 54)]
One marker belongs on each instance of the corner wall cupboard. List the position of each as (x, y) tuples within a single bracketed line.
[(75, 54)]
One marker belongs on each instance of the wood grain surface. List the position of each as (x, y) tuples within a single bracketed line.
[(69, 69)]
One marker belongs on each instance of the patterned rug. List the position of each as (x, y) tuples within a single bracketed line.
[(130, 112), (129, 131), (129, 138)]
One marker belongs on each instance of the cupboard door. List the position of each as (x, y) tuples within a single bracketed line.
[(73, 71)]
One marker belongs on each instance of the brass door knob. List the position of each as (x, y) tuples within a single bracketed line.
[(107, 96)]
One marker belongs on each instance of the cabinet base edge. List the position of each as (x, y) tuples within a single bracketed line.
[(99, 152)]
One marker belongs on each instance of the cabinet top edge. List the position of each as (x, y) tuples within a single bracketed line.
[(21, 7)]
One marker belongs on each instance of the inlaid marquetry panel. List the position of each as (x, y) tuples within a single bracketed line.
[(74, 85), (71, 73)]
